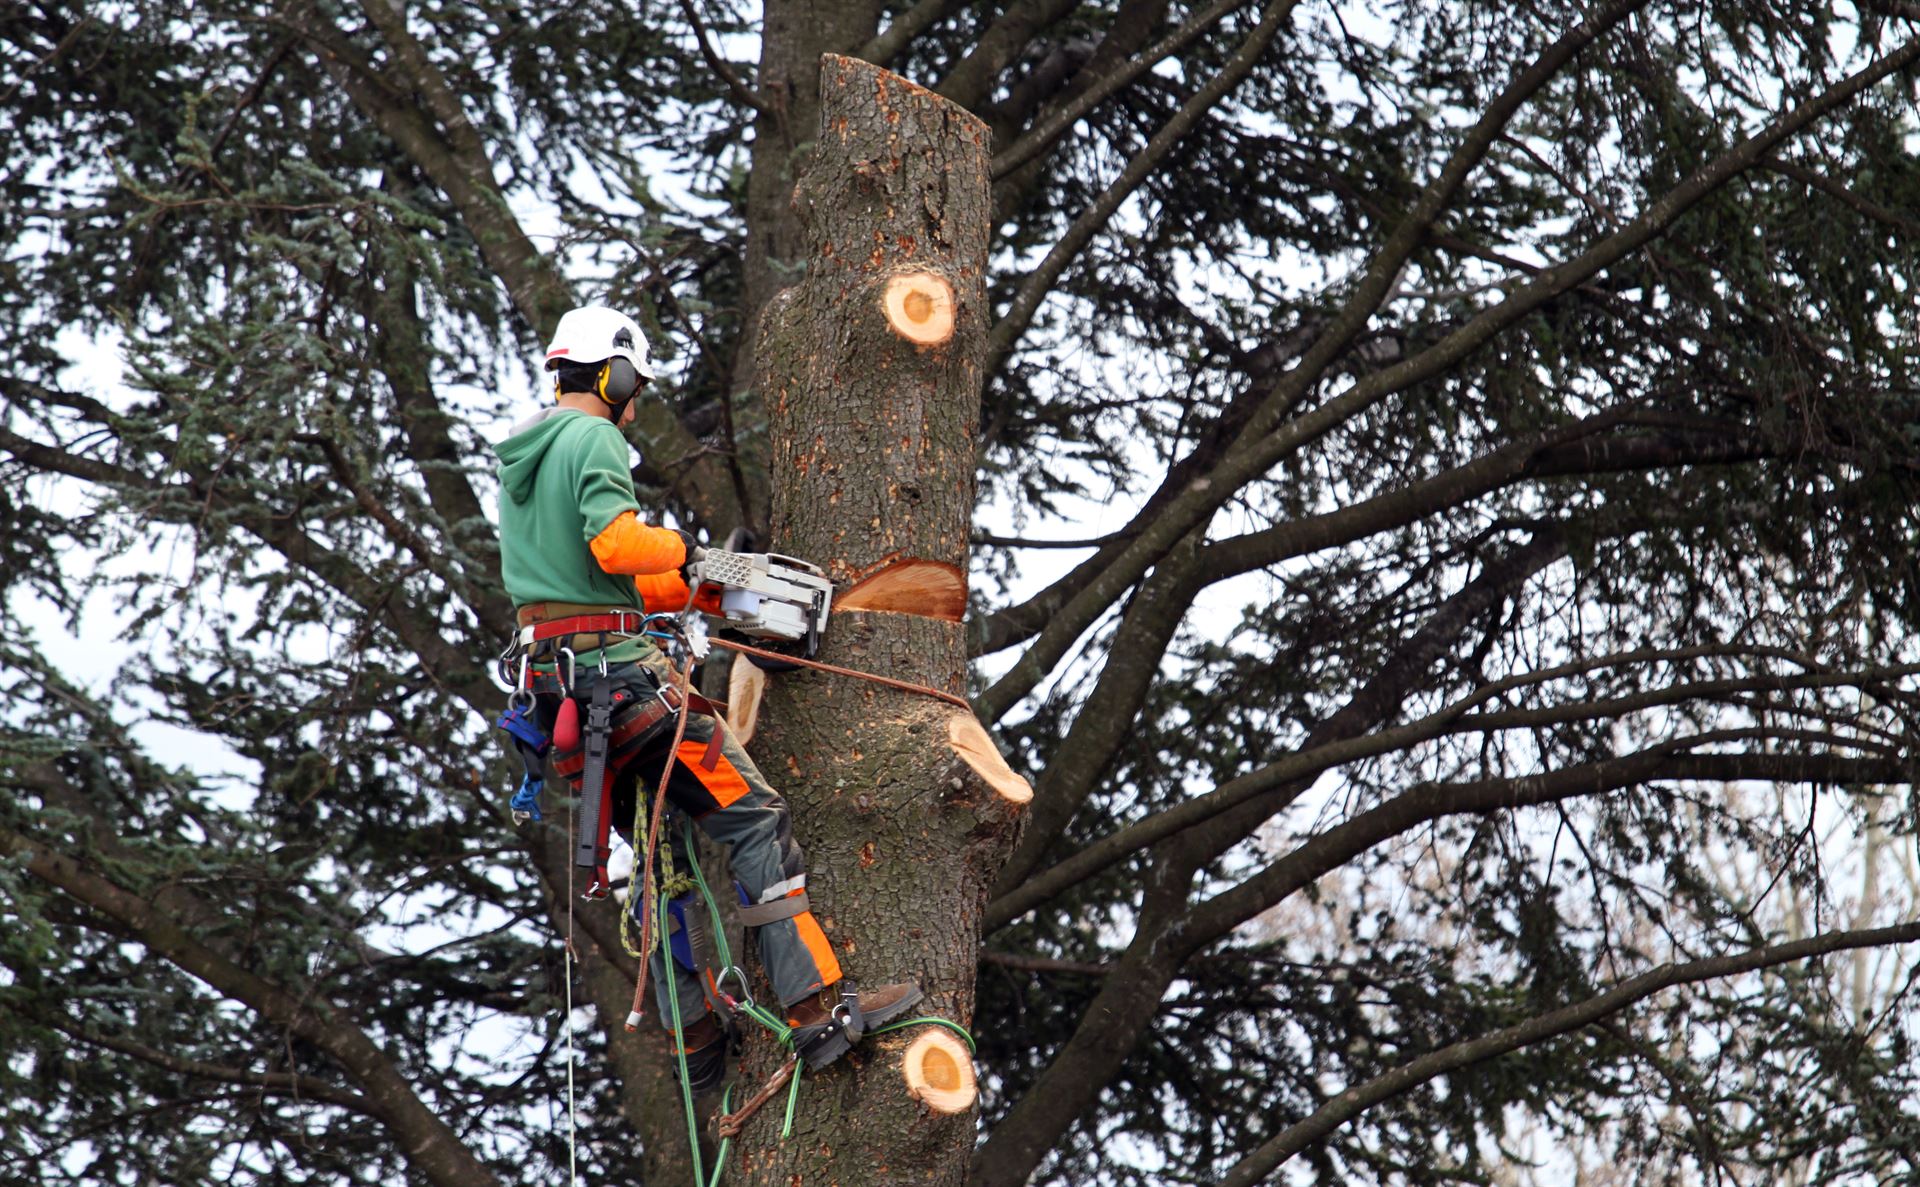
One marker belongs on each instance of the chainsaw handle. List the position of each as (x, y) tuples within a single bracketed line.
[(794, 562)]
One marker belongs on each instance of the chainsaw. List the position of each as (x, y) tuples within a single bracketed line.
[(764, 594)]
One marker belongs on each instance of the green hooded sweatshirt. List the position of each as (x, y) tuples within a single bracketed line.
[(563, 479)]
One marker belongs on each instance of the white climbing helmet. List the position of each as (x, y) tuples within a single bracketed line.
[(594, 334)]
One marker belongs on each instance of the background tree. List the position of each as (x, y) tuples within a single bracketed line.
[(1475, 723)]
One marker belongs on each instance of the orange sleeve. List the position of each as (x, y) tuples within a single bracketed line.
[(628, 546), (661, 593)]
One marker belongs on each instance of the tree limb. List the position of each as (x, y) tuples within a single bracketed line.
[(1264, 445), (1276, 1151), (1023, 885), (1309, 762), (429, 1145), (1056, 123), (894, 39), (736, 85), (1665, 762), (1036, 286), (279, 1083), (971, 79)]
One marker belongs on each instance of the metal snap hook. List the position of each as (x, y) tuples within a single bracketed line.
[(734, 970), (568, 680)]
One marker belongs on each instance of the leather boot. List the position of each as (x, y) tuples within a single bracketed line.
[(705, 1043), (827, 1024)]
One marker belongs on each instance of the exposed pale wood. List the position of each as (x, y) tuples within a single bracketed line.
[(919, 307), (938, 1069), (746, 683), (970, 741), (933, 589)]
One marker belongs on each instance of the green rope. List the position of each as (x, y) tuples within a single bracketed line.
[(672, 886), (720, 947), (793, 1098), (726, 1144), (680, 1046), (955, 1027)]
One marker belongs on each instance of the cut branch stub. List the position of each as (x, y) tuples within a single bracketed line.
[(970, 741), (938, 1070), (919, 307), (746, 683)]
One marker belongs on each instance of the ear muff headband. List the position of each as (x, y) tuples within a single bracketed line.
[(619, 382)]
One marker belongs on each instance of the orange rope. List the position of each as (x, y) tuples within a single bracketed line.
[(890, 682), (653, 842)]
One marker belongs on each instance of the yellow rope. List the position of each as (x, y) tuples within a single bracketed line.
[(672, 884)]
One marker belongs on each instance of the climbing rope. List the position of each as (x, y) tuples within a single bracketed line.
[(837, 670), (653, 845)]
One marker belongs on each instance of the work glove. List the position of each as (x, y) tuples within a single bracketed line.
[(693, 549)]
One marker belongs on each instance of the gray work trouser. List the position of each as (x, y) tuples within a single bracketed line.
[(733, 805)]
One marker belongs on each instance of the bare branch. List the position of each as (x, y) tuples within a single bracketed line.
[(894, 39), (1264, 444), (279, 1083), (1351, 1103), (719, 65), (1022, 885), (971, 79), (1051, 127), (1040, 282), (1311, 761), (430, 1146), (1852, 201), (1668, 761)]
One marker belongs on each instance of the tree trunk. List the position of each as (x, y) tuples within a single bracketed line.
[(874, 426), (793, 36)]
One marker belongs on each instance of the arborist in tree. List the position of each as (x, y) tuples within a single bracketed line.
[(583, 569)]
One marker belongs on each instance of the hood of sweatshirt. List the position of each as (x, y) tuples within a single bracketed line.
[(522, 452)]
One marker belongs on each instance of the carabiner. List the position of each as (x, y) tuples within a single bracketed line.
[(603, 655), (733, 970), (572, 671)]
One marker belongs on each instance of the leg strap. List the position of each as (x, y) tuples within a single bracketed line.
[(778, 909)]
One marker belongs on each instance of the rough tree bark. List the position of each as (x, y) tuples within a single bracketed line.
[(873, 432)]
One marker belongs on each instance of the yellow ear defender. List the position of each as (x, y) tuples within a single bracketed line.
[(619, 382)]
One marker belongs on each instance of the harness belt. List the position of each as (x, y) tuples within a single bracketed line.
[(618, 722), (575, 626)]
